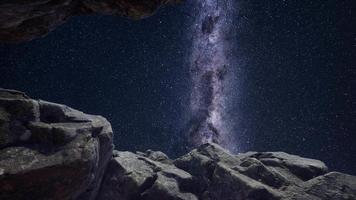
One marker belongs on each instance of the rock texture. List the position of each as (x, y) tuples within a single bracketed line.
[(24, 20), (50, 151), (263, 176), (211, 173), (137, 176)]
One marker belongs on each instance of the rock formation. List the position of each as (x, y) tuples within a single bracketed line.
[(24, 20), (263, 176), (138, 176), (51, 151)]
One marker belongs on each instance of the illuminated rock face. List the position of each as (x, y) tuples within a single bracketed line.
[(211, 173), (262, 176), (51, 151), (25, 20), (211, 69)]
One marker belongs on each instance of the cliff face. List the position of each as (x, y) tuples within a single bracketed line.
[(25, 20), (51, 151)]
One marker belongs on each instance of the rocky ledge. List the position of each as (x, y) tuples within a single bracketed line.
[(24, 20), (51, 151)]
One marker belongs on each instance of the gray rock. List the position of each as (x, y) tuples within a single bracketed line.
[(262, 176), (156, 156), (302, 168), (211, 173), (334, 185), (50, 151), (16, 109), (136, 177)]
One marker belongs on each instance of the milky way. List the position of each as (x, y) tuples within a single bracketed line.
[(210, 68)]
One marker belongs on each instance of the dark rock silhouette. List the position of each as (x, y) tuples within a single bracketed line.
[(25, 20), (51, 151)]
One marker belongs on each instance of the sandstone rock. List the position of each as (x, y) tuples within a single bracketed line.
[(50, 151), (24, 20)]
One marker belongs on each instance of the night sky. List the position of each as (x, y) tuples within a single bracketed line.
[(295, 68)]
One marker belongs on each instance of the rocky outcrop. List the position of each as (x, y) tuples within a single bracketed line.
[(263, 176), (24, 20), (50, 151), (136, 176), (211, 173)]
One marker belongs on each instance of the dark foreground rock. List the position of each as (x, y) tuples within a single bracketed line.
[(24, 20), (50, 151)]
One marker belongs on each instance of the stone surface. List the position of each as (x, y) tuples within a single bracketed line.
[(263, 176), (211, 173), (137, 177), (50, 151), (25, 20), (333, 185)]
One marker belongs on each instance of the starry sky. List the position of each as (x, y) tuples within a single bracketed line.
[(295, 65)]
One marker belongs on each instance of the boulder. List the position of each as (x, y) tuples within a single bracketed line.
[(50, 151), (138, 177)]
